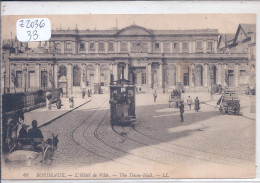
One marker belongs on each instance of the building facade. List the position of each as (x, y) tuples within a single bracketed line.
[(151, 59)]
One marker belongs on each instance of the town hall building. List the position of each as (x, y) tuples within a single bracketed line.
[(157, 60)]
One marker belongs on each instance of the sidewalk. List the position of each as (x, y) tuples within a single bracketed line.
[(45, 116)]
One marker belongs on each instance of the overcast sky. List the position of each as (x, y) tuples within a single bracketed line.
[(225, 23)]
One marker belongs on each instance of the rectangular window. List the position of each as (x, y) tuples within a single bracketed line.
[(144, 47), (31, 83), (68, 46), (82, 46), (110, 46), (123, 46), (185, 46), (210, 46), (91, 46), (166, 47), (102, 80), (175, 46), (101, 46), (199, 45), (143, 78), (19, 79), (44, 79), (157, 46)]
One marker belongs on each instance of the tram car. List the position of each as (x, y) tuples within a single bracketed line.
[(229, 102), (175, 97), (122, 103)]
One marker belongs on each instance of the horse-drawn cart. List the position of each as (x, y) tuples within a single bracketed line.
[(175, 97), (32, 151), (229, 102)]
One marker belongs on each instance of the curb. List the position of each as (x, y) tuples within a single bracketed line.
[(50, 121)]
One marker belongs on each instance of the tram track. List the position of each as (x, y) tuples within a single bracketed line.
[(72, 135), (121, 150)]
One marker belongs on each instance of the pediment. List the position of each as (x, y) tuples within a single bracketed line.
[(134, 30)]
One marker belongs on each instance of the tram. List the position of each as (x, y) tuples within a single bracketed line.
[(122, 103)]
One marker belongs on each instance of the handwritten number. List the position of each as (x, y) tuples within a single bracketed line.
[(29, 34), (36, 24), (27, 25), (42, 24), (21, 24), (35, 35)]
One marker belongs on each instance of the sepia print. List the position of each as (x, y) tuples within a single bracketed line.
[(130, 97)]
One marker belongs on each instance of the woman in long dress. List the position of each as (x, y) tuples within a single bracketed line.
[(197, 104)]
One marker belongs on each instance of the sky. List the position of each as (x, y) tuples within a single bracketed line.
[(225, 23)]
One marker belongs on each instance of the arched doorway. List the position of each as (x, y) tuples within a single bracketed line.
[(213, 74), (62, 79), (171, 75), (185, 73), (76, 75), (198, 73)]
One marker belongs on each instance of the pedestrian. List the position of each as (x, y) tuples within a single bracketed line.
[(58, 104), (71, 100), (88, 93), (220, 88), (154, 96), (181, 106), (48, 100), (211, 94), (83, 93), (197, 104), (61, 92), (189, 101)]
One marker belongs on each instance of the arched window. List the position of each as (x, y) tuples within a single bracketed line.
[(62, 71), (76, 75), (198, 75)]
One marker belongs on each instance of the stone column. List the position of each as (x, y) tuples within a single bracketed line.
[(171, 47), (115, 71), (97, 73), (150, 47), (219, 74), (190, 46), (178, 73), (87, 47), (129, 46), (83, 76), (205, 75), (126, 71), (191, 70), (215, 46), (161, 43), (204, 45), (237, 77), (69, 77), (106, 47), (224, 74), (55, 75), (180, 46), (160, 75), (96, 47), (148, 74), (37, 75)]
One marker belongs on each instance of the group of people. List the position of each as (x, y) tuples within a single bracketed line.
[(84, 93), (189, 102)]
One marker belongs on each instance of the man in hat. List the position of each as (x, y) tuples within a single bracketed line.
[(189, 101), (23, 132), (181, 106), (35, 132)]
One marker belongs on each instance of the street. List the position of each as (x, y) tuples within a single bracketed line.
[(206, 144)]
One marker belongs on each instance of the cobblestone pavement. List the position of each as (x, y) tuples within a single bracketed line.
[(206, 144)]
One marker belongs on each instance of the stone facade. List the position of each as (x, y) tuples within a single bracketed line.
[(151, 59)]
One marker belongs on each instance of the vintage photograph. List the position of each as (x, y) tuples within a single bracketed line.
[(130, 97)]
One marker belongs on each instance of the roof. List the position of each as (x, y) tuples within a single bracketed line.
[(127, 29), (248, 28)]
